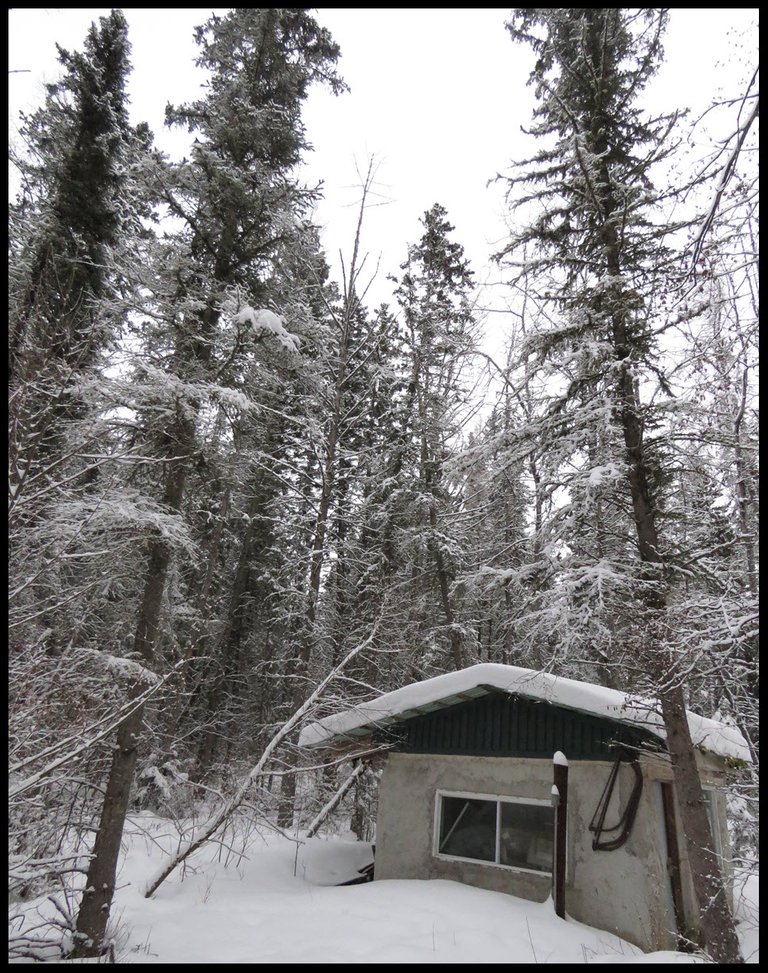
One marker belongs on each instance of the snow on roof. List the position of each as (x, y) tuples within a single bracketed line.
[(454, 687)]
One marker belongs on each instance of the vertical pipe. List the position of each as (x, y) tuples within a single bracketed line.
[(684, 945), (560, 801)]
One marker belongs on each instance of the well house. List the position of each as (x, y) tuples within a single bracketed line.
[(466, 793)]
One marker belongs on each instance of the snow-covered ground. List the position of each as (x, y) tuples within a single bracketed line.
[(281, 903)]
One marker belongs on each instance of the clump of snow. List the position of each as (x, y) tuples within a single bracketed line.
[(560, 759), (724, 740), (92, 516), (120, 669), (598, 475), (264, 321)]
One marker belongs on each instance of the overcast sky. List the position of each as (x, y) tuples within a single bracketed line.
[(437, 97)]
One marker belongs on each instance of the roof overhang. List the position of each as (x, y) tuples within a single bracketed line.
[(346, 731), (341, 739)]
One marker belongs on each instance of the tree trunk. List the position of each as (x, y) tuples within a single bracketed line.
[(260, 771), (228, 643), (715, 921), (328, 494), (457, 652), (93, 914), (598, 169)]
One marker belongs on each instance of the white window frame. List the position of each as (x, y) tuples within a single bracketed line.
[(499, 799)]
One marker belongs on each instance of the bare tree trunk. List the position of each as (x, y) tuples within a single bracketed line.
[(457, 651), (329, 474), (94, 909), (715, 920), (745, 487), (337, 798), (228, 642)]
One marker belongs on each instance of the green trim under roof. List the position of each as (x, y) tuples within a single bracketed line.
[(498, 724)]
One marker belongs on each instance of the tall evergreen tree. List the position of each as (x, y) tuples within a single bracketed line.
[(495, 538), (603, 254), (69, 214), (434, 296), (238, 204), (73, 211), (73, 531)]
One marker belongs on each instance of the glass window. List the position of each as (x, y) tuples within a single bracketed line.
[(515, 833), (710, 803), (527, 836), (468, 828)]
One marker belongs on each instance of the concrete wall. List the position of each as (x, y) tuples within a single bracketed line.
[(712, 773), (626, 891), (405, 821)]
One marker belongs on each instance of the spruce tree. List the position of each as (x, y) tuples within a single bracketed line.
[(73, 212), (601, 253), (73, 530), (70, 213), (495, 537), (237, 204), (434, 296)]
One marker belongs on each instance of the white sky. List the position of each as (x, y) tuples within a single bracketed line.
[(437, 98)]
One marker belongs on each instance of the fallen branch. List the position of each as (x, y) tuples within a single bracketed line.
[(335, 800), (237, 799)]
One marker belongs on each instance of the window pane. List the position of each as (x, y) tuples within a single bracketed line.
[(527, 836), (711, 806), (468, 828)]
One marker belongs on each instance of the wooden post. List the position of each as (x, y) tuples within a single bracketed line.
[(560, 801)]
